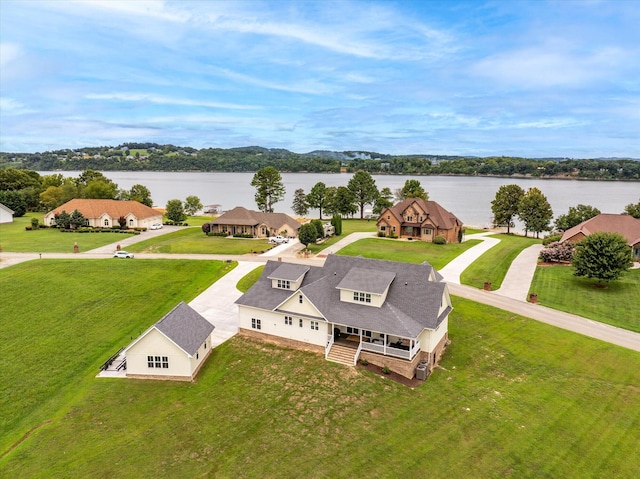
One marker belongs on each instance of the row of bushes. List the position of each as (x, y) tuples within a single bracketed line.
[(392, 235), (91, 230), (175, 223)]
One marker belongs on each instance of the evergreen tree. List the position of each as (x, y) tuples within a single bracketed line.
[(307, 234), (269, 188), (364, 190), (300, 206)]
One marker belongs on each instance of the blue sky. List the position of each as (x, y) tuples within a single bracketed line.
[(529, 78)]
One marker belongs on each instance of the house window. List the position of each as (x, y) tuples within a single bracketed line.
[(264, 231), (300, 322), (197, 355), (351, 330), (130, 222), (383, 228), (361, 297), (388, 217), (314, 325), (106, 222), (52, 221), (158, 362), (366, 333), (426, 231), (409, 219), (284, 284), (256, 323), (420, 219), (288, 320), (393, 228), (86, 221), (300, 299)]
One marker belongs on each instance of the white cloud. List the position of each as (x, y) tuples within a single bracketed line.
[(162, 100), (8, 53)]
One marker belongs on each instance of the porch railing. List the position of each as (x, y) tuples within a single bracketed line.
[(328, 346), (357, 355), (391, 350)]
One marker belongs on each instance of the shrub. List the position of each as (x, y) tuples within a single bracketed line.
[(364, 362), (206, 228), (439, 240), (551, 239), (243, 235), (34, 223), (381, 234), (392, 234), (28, 228), (217, 233), (557, 252), (386, 370)]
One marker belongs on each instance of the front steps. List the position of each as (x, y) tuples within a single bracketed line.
[(342, 354)]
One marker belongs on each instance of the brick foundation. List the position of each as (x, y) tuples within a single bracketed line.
[(284, 342)]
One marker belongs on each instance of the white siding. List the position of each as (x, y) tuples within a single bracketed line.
[(346, 296), (273, 323), (155, 343), (305, 307)]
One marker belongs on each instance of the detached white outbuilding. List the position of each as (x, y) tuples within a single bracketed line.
[(174, 348), (6, 214)]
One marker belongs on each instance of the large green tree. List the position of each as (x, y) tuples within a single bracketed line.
[(505, 205), (15, 201), (575, 216), (603, 256), (383, 201), (269, 188), (632, 209), (192, 204), (535, 212), (317, 197), (139, 193), (344, 202), (307, 234), (411, 189), (364, 190), (175, 211), (300, 206)]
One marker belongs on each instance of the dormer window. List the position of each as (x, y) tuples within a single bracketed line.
[(284, 284), (361, 297), (409, 219)]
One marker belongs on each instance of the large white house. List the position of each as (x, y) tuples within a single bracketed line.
[(173, 348), (101, 213), (391, 314)]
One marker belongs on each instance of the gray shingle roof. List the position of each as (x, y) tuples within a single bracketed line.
[(289, 271), (367, 280), (241, 216), (412, 304), (185, 327)]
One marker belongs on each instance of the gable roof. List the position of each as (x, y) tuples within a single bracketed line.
[(289, 271), (626, 225), (439, 216), (6, 208), (94, 208), (412, 304), (184, 327), (241, 216), (367, 280)]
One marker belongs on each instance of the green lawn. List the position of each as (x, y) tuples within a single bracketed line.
[(618, 304), (348, 227), (61, 319), (407, 251), (193, 240), (249, 279), (494, 264), (14, 238), (514, 398)]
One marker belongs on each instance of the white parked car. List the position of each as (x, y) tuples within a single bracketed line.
[(156, 226), (278, 239), (122, 254)]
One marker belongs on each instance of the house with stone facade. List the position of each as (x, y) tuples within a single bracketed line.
[(415, 218), (392, 314)]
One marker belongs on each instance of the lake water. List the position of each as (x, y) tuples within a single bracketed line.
[(469, 198)]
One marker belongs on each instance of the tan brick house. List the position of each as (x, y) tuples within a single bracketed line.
[(421, 220)]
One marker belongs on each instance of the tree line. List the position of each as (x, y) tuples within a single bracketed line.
[(155, 157)]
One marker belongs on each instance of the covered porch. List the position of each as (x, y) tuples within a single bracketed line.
[(375, 342)]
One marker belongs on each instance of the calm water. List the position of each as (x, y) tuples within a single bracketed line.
[(469, 198)]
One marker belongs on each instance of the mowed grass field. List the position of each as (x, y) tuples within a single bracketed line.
[(494, 264), (14, 238), (618, 304), (407, 251), (513, 398), (348, 226), (194, 241), (61, 319)]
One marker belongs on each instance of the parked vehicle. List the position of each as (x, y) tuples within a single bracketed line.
[(156, 226), (122, 254), (278, 239)]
